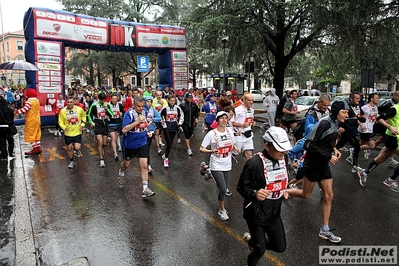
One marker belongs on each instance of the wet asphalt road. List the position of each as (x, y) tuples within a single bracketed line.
[(83, 213)]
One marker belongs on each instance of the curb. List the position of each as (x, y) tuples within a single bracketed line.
[(25, 253)]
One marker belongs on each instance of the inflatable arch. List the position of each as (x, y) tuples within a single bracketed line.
[(48, 32)]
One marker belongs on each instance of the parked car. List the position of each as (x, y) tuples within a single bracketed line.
[(383, 99), (304, 103), (258, 95), (339, 98)]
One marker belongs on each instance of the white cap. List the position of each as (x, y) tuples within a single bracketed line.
[(279, 138), (221, 113)]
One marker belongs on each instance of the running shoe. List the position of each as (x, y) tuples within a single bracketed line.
[(178, 141), (71, 164), (356, 169), (393, 185), (247, 238), (229, 193), (121, 177), (116, 157), (150, 170), (147, 193), (120, 149), (78, 154), (102, 163), (344, 149), (166, 162), (292, 186), (349, 159), (56, 133), (59, 133), (363, 178), (189, 152), (159, 150), (202, 168), (208, 174), (223, 215), (393, 162), (163, 157), (161, 144), (328, 235), (366, 154)]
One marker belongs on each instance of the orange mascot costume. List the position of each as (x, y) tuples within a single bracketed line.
[(32, 131)]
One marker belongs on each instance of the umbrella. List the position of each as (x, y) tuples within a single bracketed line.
[(19, 65)]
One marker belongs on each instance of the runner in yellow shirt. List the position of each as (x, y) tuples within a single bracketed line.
[(72, 120)]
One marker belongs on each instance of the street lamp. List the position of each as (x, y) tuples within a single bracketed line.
[(225, 40)]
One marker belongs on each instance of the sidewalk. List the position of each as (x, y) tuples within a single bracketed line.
[(25, 253)]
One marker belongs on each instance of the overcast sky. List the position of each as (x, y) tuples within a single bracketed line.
[(12, 12)]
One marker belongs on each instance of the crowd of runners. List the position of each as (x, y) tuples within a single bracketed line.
[(129, 119)]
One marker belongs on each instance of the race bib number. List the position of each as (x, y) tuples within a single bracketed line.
[(277, 186)]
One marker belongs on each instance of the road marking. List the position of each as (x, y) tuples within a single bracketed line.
[(53, 154), (41, 158), (214, 221), (91, 148)]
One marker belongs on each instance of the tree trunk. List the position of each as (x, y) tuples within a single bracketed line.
[(279, 74)]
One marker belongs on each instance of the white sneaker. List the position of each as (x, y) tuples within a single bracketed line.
[(60, 133), (78, 154), (161, 144), (150, 170), (159, 150), (56, 133), (120, 149), (178, 141), (393, 162), (166, 163), (102, 163), (366, 154), (189, 152), (116, 157), (147, 193), (71, 164), (356, 169), (223, 215)]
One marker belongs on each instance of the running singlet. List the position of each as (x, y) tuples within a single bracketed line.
[(116, 110), (72, 116), (276, 177), (101, 113), (371, 113), (224, 143)]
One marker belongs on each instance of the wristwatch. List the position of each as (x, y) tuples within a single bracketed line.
[(254, 193)]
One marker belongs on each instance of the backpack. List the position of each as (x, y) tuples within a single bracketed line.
[(299, 129)]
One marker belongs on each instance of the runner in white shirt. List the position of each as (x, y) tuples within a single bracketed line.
[(221, 142), (243, 121), (366, 129)]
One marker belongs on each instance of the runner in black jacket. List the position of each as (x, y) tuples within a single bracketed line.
[(320, 150)]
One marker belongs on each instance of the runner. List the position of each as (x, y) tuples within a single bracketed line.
[(243, 122), (153, 117), (262, 184), (172, 118), (191, 115), (72, 121), (115, 123), (370, 111), (221, 141), (58, 105), (98, 115), (158, 103), (134, 143), (320, 150)]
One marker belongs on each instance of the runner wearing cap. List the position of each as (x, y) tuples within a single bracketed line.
[(262, 184), (320, 150), (221, 142)]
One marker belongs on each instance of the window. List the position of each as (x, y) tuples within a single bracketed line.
[(20, 46), (134, 80), (146, 81)]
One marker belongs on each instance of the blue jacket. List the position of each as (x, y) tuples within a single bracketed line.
[(156, 117), (209, 116)]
